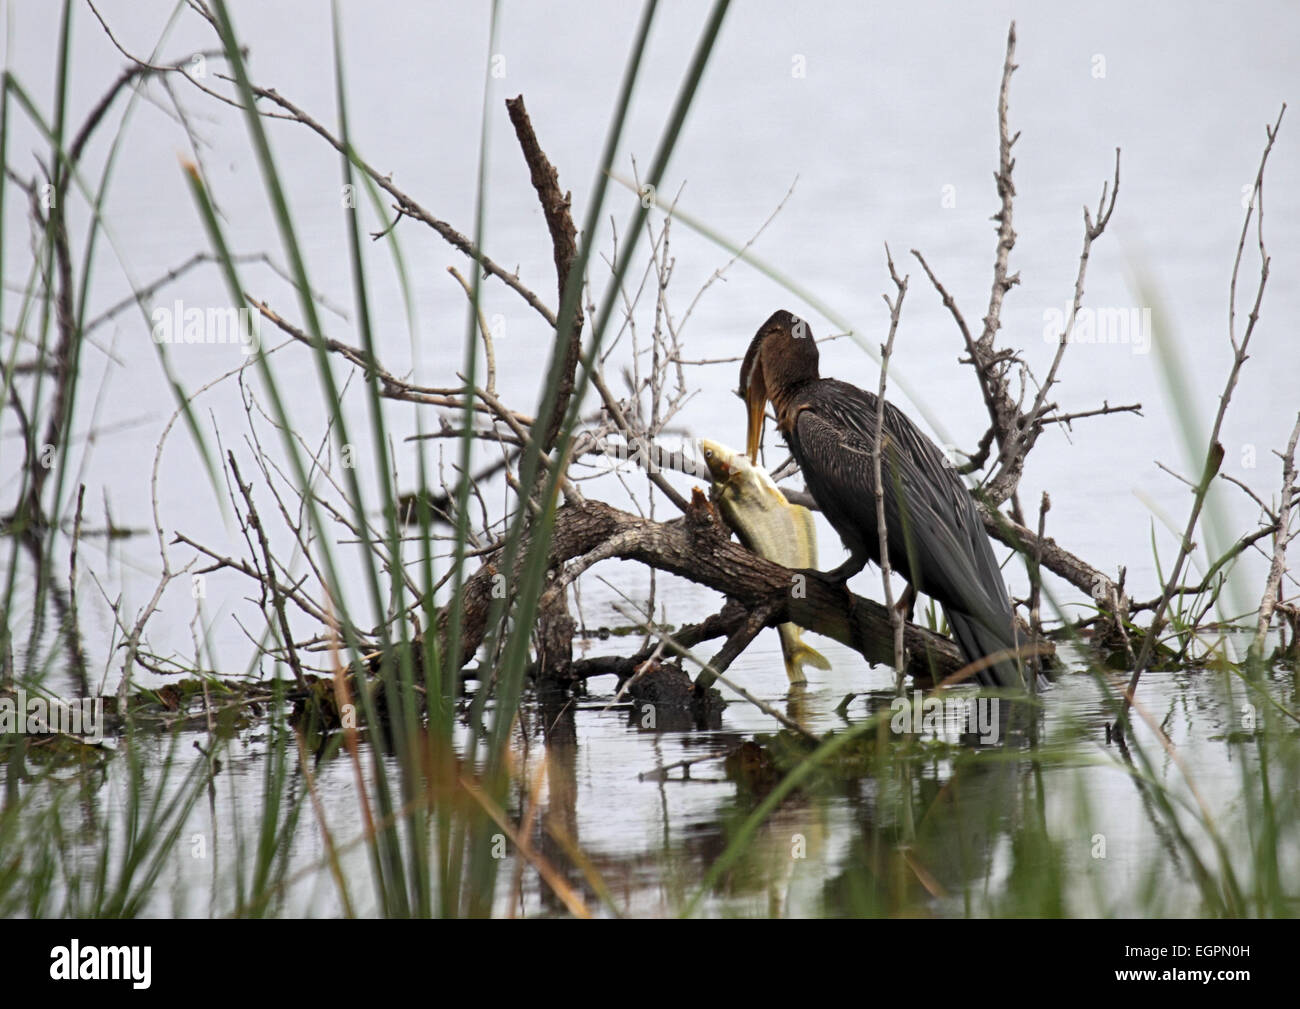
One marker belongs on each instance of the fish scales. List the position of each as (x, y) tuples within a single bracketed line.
[(769, 525)]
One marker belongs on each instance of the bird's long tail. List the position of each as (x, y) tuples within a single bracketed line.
[(798, 653), (997, 641)]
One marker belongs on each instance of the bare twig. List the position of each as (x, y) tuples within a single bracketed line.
[(1029, 425), (633, 439), (1101, 411), (488, 351), (1035, 587), (1214, 455), (886, 349), (277, 600), (1273, 584), (1016, 430), (736, 643), (409, 206)]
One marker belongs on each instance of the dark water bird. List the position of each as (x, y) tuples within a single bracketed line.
[(936, 540)]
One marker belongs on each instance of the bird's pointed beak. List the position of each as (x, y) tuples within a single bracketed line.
[(756, 401)]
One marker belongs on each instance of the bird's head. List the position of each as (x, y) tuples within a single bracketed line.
[(782, 354)]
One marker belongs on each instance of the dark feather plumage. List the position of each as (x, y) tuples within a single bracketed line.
[(935, 536)]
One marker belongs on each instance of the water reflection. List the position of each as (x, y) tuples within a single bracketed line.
[(1050, 821)]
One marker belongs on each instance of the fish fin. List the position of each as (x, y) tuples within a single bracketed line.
[(798, 654), (809, 656)]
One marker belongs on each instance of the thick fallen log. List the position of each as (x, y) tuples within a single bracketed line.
[(698, 547)]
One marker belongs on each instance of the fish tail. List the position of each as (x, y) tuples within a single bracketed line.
[(797, 654)]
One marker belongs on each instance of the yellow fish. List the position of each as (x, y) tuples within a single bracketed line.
[(769, 525)]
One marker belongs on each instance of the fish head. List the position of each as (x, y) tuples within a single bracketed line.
[(719, 459)]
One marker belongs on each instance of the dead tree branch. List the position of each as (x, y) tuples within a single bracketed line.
[(695, 547), (1283, 536), (886, 349), (564, 241), (1016, 430)]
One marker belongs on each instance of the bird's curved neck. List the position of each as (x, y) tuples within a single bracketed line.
[(789, 398)]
